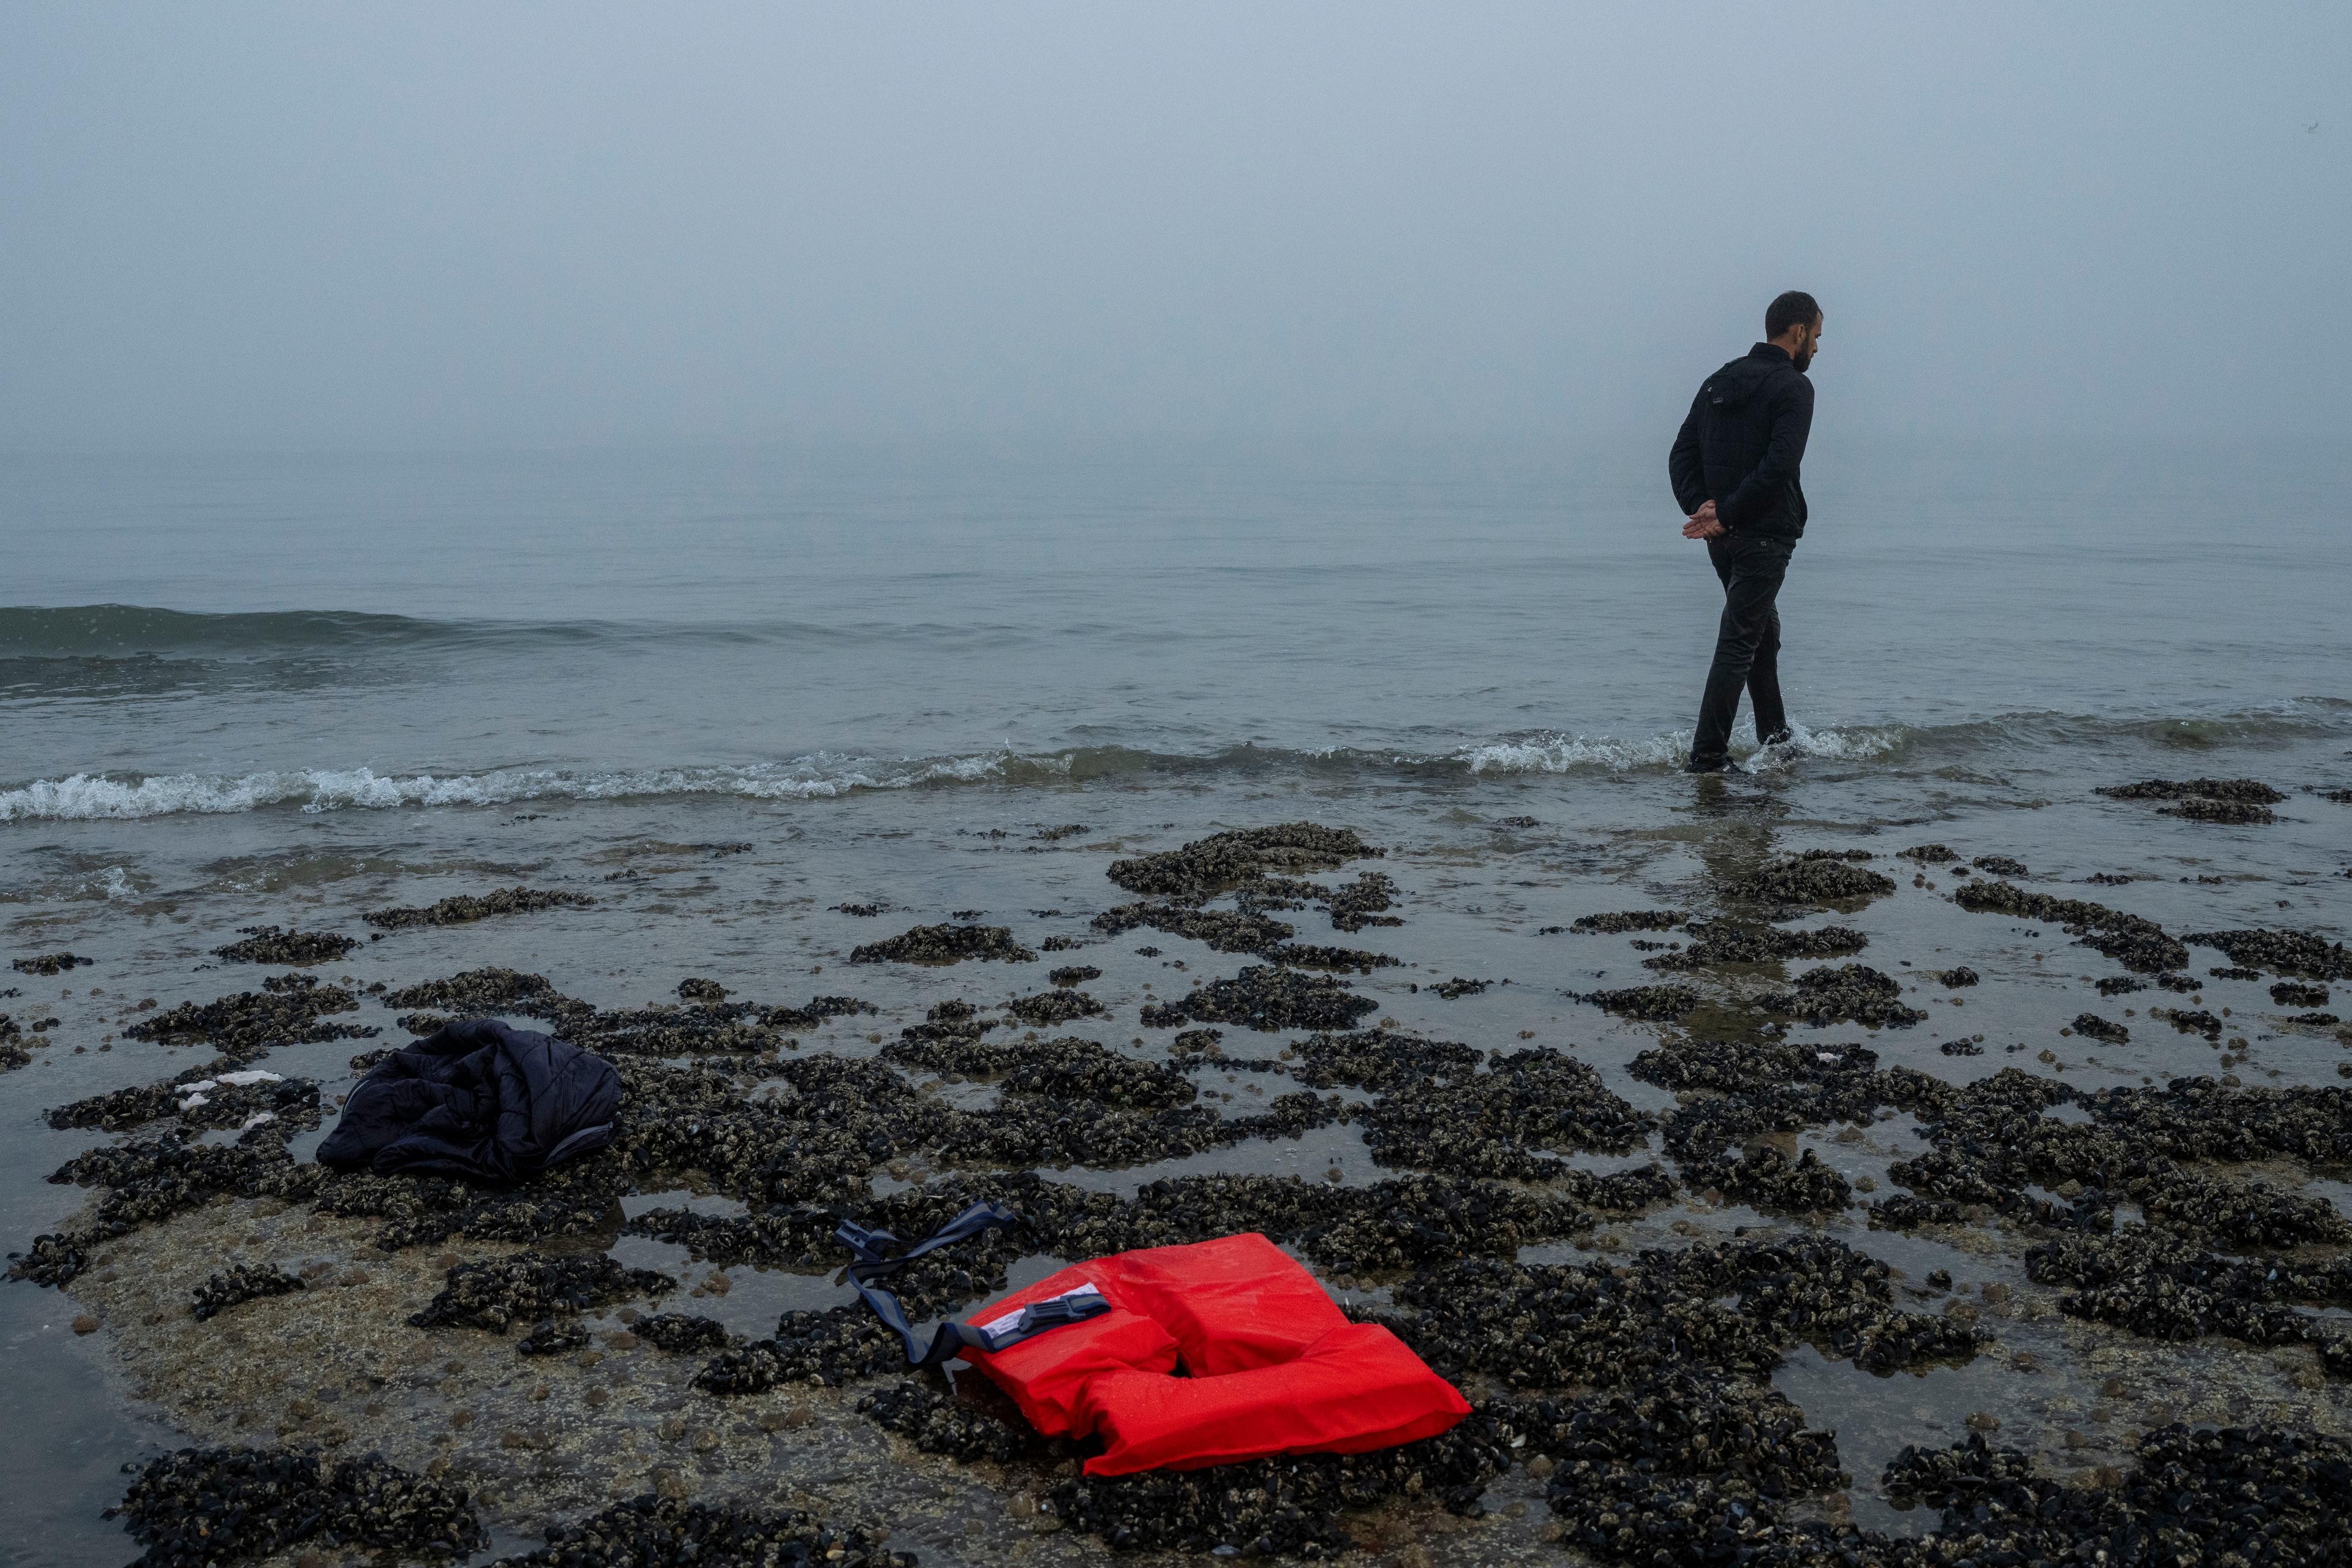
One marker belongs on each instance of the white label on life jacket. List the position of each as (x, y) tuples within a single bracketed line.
[(1000, 1324)]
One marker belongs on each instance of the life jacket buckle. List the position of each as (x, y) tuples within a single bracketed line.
[(1071, 1306)]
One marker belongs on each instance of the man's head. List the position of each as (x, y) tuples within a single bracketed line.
[(1793, 321)]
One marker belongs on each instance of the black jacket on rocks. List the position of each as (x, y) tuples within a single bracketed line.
[(479, 1100), (1742, 443)]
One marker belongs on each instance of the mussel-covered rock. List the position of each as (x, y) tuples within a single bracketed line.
[(814, 1015), (492, 1293), (660, 1533), (2189, 1020), (1063, 1069), (1226, 931), (49, 963), (288, 1009), (1848, 993), (1047, 1008), (1500, 1122), (1721, 942), (483, 991), (2229, 813), (823, 1349), (1685, 1421), (680, 1332), (1222, 861), (1381, 1060), (1287, 1507), (243, 1283), (937, 1423), (2302, 953), (2234, 1495), (466, 908), (150, 1178), (1320, 956), (575, 1199), (2238, 1213), (1650, 1003), (1263, 996), (1620, 921), (200, 1097), (1360, 903), (2131, 940), (201, 1508), (1818, 879), (937, 945), (272, 944), (1767, 1179), (2098, 1028), (2163, 1288), (1026, 1131), (554, 1336), (2249, 791), (1732, 1307)]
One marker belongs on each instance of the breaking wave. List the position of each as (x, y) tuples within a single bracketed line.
[(1557, 753), (100, 796), (83, 797)]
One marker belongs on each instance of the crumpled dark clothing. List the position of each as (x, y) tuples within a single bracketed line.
[(477, 1101)]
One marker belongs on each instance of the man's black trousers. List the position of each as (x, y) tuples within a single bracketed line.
[(1747, 643)]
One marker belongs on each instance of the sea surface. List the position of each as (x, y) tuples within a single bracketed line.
[(230, 634), (287, 688)]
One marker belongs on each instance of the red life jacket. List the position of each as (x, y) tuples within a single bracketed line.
[(1211, 1353)]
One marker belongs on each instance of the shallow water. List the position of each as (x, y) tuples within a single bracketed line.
[(1428, 647)]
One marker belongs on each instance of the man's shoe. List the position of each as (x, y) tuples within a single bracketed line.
[(1712, 765), (1780, 738)]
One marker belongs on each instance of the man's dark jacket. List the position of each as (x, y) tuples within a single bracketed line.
[(1742, 443)]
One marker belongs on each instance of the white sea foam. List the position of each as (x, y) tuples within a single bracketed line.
[(822, 775), (1835, 745), (1558, 753), (1553, 752), (87, 796)]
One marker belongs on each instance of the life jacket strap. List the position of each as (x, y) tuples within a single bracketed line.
[(951, 1338)]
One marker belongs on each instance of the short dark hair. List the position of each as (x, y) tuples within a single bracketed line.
[(1794, 308)]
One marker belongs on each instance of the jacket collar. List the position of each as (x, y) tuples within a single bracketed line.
[(1771, 350)]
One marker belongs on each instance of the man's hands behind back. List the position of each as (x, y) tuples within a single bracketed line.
[(1702, 524)]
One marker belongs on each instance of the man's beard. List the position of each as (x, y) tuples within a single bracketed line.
[(1804, 356)]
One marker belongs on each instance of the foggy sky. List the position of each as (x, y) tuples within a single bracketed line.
[(393, 226)]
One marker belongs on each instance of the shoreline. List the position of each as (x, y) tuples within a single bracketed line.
[(1478, 900)]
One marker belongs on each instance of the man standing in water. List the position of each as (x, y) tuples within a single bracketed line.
[(1734, 468)]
